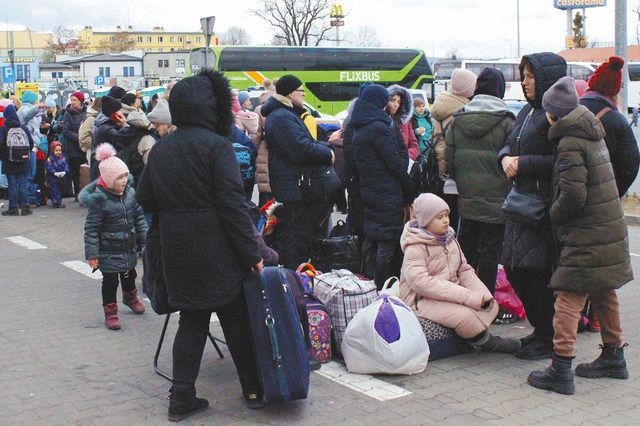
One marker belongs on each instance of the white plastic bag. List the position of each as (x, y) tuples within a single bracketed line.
[(385, 338), (394, 290)]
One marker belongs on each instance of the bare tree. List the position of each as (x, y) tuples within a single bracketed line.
[(296, 22), (63, 41), (120, 42), (637, 12), (364, 37), (452, 53), (579, 40), (235, 36)]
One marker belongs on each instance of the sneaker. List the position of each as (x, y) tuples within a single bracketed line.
[(538, 349)]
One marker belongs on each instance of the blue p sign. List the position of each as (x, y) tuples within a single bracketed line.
[(7, 75), (99, 80)]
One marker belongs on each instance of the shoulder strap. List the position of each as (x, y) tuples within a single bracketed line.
[(603, 112)]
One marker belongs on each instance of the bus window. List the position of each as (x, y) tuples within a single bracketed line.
[(477, 68), (334, 91), (508, 70), (634, 72), (579, 72), (443, 70)]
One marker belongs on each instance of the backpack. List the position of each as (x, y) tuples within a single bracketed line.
[(424, 173), (18, 145), (243, 156)]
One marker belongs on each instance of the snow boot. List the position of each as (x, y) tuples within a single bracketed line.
[(11, 212), (558, 377), (26, 211), (183, 402), (610, 363), (130, 298), (490, 343), (111, 320)]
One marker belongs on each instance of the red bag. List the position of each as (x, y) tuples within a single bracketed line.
[(506, 296)]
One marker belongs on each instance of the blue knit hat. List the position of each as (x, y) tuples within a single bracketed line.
[(243, 95), (29, 97), (376, 95)]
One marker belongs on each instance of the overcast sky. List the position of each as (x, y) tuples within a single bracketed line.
[(475, 28)]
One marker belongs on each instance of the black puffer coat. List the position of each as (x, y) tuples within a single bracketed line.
[(383, 177), (292, 150), (73, 118), (531, 246), (192, 184), (115, 227), (620, 140)]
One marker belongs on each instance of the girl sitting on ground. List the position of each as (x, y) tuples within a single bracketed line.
[(439, 284)]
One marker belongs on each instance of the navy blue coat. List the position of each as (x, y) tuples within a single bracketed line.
[(11, 120), (531, 246), (383, 175), (73, 118), (292, 150), (192, 184), (620, 141)]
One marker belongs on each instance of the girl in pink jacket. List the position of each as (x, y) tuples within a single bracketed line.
[(439, 284)]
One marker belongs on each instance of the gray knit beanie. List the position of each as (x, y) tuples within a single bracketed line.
[(160, 113), (561, 98)]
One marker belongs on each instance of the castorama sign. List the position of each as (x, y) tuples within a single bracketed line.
[(578, 4)]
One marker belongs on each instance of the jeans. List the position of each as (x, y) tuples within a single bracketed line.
[(74, 171), (18, 190), (191, 337), (481, 244), (568, 308)]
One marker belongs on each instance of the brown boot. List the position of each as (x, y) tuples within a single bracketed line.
[(111, 320), (130, 298)]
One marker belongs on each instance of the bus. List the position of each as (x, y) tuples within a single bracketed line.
[(331, 75), (508, 66), (633, 91)]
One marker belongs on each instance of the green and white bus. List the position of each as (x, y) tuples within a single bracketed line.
[(331, 75)]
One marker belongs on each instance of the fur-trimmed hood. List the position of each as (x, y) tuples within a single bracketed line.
[(93, 194), (347, 119), (203, 100), (405, 112)]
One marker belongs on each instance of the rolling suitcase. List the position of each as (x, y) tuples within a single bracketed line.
[(278, 336)]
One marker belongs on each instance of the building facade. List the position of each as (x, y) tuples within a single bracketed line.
[(166, 66), (156, 40), (110, 69), (25, 43)]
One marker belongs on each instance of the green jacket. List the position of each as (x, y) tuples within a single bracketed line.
[(586, 213), (473, 139)]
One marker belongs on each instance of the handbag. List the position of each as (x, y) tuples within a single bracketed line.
[(153, 283), (526, 207), (320, 182)]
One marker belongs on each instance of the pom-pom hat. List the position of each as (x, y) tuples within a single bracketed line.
[(607, 78), (111, 167)]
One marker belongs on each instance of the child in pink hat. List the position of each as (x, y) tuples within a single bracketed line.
[(114, 231)]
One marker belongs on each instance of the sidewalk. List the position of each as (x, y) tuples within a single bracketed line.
[(59, 365)]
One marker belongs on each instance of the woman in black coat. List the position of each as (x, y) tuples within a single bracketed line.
[(73, 118), (384, 183), (192, 186), (528, 159)]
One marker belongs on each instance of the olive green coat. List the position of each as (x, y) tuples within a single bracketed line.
[(475, 137), (586, 213)]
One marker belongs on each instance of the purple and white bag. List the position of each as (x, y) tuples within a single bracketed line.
[(385, 338)]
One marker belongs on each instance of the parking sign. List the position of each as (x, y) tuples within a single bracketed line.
[(100, 80), (8, 75)]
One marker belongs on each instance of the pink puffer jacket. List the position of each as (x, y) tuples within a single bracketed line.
[(439, 284)]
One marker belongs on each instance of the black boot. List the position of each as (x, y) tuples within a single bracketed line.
[(487, 342), (540, 348), (11, 212), (610, 363), (183, 402), (26, 211), (558, 377)]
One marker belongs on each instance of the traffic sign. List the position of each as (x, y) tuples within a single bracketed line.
[(8, 75), (100, 80)]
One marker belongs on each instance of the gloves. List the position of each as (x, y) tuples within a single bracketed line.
[(59, 174)]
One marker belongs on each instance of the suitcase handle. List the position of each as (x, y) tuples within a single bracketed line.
[(277, 358), (308, 269)]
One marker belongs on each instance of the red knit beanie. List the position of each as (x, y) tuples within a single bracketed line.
[(607, 78)]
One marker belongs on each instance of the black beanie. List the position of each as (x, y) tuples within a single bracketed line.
[(110, 105), (287, 84), (490, 82), (116, 92), (129, 99), (375, 94)]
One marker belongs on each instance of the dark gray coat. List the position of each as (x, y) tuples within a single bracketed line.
[(115, 227), (192, 184)]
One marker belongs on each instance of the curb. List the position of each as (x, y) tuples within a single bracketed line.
[(632, 219)]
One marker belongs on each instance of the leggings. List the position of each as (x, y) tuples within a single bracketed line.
[(110, 284)]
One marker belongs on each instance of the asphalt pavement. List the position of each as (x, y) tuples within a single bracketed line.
[(59, 365)]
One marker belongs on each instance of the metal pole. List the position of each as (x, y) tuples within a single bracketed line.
[(621, 50), (569, 23), (338, 34), (518, 20)]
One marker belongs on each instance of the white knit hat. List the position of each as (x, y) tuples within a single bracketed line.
[(463, 83), (160, 113), (426, 207)]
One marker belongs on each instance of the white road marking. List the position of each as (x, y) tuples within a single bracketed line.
[(26, 243), (367, 385), (83, 268), (633, 254)]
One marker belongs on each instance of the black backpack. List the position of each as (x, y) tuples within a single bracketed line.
[(424, 173)]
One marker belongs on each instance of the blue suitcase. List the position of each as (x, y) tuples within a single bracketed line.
[(278, 336)]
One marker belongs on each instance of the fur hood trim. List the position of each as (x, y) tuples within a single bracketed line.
[(92, 195), (405, 112)]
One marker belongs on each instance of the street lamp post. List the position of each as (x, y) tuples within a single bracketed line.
[(337, 20), (518, 13), (12, 56)]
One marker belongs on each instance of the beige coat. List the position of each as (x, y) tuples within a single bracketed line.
[(262, 160), (442, 112), (85, 134), (439, 285)]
